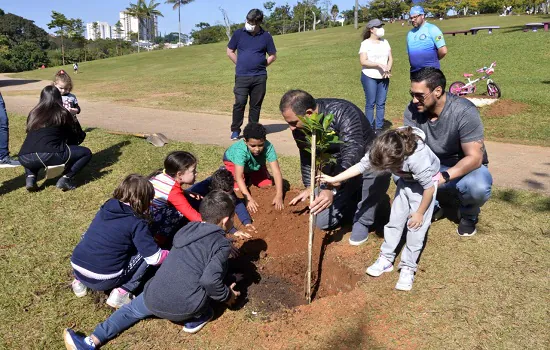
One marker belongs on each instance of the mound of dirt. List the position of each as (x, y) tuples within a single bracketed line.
[(272, 267), (503, 108)]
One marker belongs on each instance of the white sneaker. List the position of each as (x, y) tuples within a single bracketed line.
[(79, 289), (406, 279), (380, 266), (118, 298)]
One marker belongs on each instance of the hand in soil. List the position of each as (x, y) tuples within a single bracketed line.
[(301, 197), (250, 228), (278, 203), (252, 206), (415, 220), (234, 294), (242, 234), (323, 201)]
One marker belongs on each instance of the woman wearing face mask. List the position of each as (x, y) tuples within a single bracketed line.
[(376, 60)]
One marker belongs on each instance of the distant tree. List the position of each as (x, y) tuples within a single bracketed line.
[(95, 30), (150, 11), (269, 5), (356, 14), (207, 34), (27, 56), (178, 4), (334, 11), (118, 31), (60, 22)]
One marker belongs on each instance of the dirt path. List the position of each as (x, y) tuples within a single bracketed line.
[(513, 166)]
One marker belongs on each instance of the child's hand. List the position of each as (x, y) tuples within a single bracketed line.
[(242, 234), (251, 205), (234, 294), (250, 228), (195, 196), (278, 203), (325, 178), (73, 111), (415, 220)]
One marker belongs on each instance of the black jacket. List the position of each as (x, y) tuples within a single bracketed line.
[(192, 273), (351, 126)]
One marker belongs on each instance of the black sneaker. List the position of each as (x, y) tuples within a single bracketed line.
[(30, 184), (466, 227), (65, 184), (437, 214)]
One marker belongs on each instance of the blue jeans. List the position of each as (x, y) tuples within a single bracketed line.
[(4, 130), (79, 157), (122, 319), (130, 279), (474, 189), (376, 91)]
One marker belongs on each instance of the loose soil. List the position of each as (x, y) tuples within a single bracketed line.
[(503, 108), (272, 267)]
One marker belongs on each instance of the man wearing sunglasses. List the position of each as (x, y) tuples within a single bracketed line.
[(425, 43), (454, 132)]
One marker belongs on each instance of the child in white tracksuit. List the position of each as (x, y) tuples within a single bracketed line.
[(404, 153)]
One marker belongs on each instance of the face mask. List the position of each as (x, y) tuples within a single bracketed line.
[(249, 27), (379, 32)]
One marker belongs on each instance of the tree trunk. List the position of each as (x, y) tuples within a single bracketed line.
[(62, 50), (179, 25), (356, 14)]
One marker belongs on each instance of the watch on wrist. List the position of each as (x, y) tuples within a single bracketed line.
[(445, 175)]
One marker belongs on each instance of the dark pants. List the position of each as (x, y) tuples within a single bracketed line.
[(4, 130), (130, 280), (359, 196), (79, 157), (255, 87)]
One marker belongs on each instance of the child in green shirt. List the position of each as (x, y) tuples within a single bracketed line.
[(246, 160)]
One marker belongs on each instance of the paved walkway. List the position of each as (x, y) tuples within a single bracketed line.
[(514, 166)]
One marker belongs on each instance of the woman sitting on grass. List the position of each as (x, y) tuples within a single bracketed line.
[(52, 139)]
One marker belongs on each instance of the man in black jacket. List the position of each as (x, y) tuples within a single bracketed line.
[(353, 129)]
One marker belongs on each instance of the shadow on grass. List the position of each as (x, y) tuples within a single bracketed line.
[(538, 203), (519, 28), (546, 82), (12, 185)]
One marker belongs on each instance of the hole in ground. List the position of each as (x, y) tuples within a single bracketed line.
[(272, 267)]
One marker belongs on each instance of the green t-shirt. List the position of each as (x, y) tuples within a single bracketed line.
[(239, 154)]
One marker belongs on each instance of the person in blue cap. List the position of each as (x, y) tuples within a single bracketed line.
[(425, 42)]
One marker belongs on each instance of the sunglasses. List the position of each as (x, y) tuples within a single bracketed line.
[(420, 97)]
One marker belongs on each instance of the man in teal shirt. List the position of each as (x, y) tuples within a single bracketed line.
[(425, 42)]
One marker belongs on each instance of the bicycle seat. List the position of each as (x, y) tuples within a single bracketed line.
[(467, 75)]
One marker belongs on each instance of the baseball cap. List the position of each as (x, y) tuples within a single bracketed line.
[(416, 10), (374, 23)]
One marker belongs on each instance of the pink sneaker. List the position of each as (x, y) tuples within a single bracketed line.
[(118, 298)]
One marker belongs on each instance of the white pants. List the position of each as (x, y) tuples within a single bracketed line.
[(407, 200)]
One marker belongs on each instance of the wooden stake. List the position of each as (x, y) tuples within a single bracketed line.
[(311, 216)]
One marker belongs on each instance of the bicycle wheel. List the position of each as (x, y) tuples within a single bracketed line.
[(493, 90), (456, 88)]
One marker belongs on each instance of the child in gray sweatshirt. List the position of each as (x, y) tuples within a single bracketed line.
[(403, 152)]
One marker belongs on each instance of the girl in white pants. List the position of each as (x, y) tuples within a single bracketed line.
[(403, 152)]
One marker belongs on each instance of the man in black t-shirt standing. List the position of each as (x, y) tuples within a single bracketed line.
[(252, 44), (454, 132)]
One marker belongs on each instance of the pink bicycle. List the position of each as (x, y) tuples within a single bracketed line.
[(460, 88)]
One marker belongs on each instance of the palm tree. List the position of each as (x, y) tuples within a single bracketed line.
[(178, 4), (143, 12), (150, 12)]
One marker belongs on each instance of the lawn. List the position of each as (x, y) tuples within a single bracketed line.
[(485, 292), (325, 62)]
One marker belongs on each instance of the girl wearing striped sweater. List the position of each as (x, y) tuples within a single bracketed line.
[(171, 209)]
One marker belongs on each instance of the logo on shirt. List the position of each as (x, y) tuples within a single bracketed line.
[(439, 37), (423, 37)]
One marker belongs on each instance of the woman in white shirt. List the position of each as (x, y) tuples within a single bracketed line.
[(376, 60)]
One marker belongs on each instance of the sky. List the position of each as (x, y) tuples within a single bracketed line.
[(208, 11)]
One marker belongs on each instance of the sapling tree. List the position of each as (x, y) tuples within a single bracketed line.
[(319, 137)]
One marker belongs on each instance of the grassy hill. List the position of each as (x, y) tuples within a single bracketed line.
[(325, 62)]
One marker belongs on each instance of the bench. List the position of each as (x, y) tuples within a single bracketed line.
[(474, 30), (465, 32), (535, 26)]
